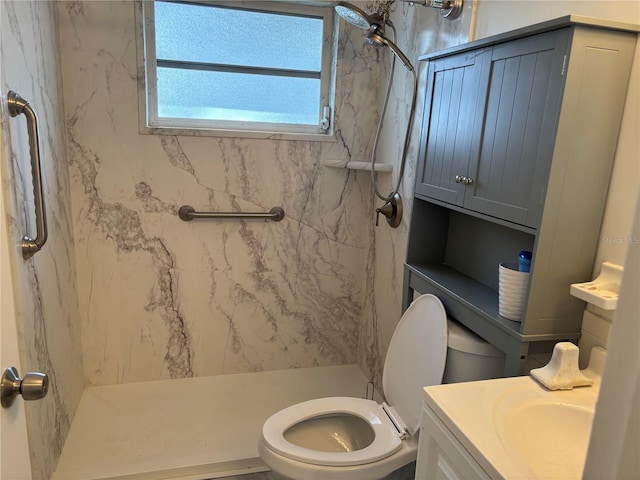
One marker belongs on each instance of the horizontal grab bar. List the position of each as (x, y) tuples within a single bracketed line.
[(188, 213)]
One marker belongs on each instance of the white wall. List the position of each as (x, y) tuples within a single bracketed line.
[(615, 438)]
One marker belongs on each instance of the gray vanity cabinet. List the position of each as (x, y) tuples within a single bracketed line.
[(490, 124), (517, 146)]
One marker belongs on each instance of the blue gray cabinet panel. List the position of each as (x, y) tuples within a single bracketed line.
[(533, 118), (452, 92), (524, 83)]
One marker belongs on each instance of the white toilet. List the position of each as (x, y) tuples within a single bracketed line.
[(344, 438)]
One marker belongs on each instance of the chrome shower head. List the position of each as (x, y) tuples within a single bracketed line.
[(375, 24), (355, 16), (377, 40)]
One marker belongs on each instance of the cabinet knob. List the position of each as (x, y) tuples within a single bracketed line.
[(464, 180)]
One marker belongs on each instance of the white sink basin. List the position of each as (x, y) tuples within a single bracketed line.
[(546, 430), (516, 428), (551, 437)]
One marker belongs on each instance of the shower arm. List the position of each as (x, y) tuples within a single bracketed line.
[(449, 9)]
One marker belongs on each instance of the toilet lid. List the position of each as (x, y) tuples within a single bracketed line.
[(415, 358), (386, 440)]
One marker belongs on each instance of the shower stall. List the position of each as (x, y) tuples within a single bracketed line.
[(186, 327)]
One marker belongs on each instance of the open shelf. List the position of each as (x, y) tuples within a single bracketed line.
[(475, 305), (479, 215), (467, 291)]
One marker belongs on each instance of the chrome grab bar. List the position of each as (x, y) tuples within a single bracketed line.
[(188, 213), (16, 106)]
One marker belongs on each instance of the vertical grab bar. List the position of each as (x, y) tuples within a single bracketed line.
[(16, 106)]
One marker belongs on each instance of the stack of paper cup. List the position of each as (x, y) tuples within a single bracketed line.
[(513, 287)]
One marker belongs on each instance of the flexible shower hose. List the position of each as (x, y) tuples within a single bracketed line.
[(407, 132)]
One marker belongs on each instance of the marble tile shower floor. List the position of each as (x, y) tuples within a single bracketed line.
[(189, 429)]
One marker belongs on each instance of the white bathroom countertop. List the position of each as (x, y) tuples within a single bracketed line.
[(189, 428), (498, 420)]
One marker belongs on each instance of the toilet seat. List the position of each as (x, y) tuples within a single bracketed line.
[(386, 438), (415, 359)]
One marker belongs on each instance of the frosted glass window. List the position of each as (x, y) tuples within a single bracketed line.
[(237, 97), (233, 36), (260, 66)]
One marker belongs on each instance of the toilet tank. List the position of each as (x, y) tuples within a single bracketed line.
[(469, 357)]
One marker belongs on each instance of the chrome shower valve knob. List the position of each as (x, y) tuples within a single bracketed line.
[(392, 210)]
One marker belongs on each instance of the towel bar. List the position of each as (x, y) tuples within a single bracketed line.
[(188, 213)]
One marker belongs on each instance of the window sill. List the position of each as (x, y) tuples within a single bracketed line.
[(196, 132)]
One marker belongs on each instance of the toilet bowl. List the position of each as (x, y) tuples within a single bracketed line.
[(344, 438), (334, 438)]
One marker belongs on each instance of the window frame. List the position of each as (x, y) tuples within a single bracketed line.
[(152, 123)]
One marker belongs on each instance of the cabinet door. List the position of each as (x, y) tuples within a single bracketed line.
[(450, 105), (441, 456), (514, 145)]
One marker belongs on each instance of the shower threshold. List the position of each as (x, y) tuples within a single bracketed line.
[(191, 428)]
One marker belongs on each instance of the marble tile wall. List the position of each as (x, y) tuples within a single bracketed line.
[(45, 285), (420, 30), (161, 298)]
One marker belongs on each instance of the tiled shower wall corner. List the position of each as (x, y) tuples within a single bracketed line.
[(45, 285), (420, 30)]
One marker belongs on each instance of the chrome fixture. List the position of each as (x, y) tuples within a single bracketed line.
[(354, 15), (33, 386), (449, 9), (17, 105), (464, 180), (392, 210), (188, 213), (375, 23)]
